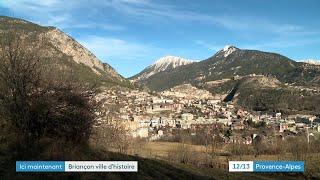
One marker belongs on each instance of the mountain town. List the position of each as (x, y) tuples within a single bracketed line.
[(157, 116)]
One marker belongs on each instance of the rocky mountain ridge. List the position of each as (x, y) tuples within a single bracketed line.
[(64, 52)]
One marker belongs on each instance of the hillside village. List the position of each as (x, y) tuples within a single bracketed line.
[(160, 116)]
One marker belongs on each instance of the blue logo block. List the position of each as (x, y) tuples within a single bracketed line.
[(278, 166), (40, 166)]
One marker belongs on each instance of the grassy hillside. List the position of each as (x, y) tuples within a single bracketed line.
[(262, 93), (281, 100)]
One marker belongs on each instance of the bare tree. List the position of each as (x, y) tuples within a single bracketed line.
[(19, 77), (34, 104)]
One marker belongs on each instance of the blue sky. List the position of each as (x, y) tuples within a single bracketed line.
[(131, 34)]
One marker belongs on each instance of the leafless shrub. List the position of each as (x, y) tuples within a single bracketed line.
[(110, 134)]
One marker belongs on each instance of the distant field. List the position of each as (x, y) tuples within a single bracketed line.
[(162, 149)]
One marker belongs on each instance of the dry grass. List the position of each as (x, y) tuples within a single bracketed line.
[(162, 150)]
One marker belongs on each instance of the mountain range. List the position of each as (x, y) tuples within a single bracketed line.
[(230, 62)]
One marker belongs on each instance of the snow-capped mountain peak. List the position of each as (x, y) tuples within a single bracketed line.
[(169, 62), (163, 64), (227, 50)]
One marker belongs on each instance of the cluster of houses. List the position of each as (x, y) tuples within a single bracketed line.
[(155, 115)]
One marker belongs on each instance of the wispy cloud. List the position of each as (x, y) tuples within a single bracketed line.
[(115, 48), (66, 21), (60, 13), (128, 57), (147, 10), (283, 43), (272, 44)]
